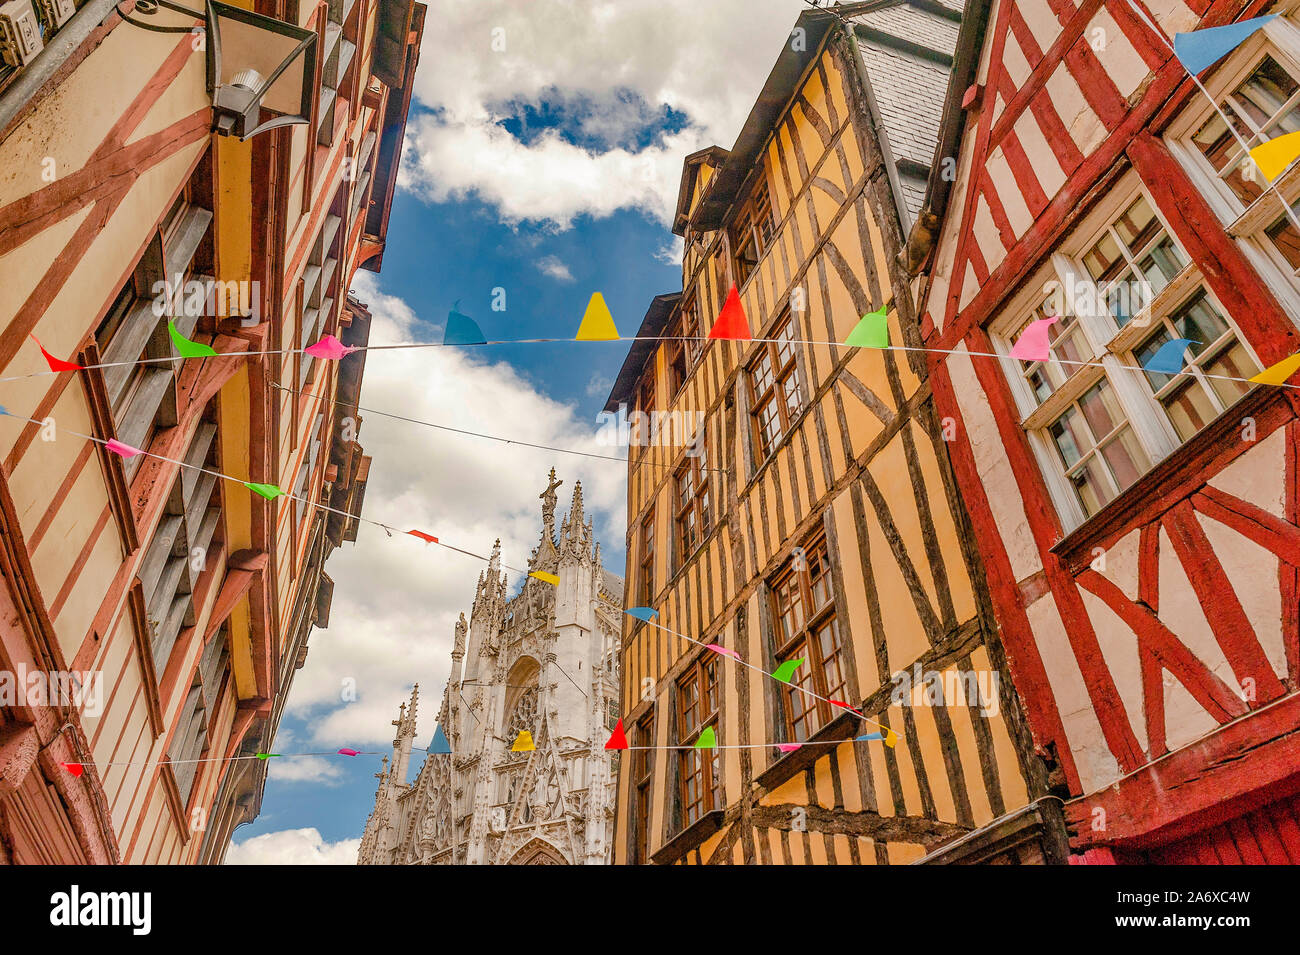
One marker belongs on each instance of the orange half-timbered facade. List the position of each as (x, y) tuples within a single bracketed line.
[(1140, 531), (790, 500), (181, 600)]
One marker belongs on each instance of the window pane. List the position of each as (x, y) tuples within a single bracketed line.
[(1283, 235), (1189, 408), (1126, 458), (1199, 321), (1071, 436), (1104, 260), (1101, 408), (1091, 486), (1138, 225), (1262, 97), (1162, 263), (1233, 362)]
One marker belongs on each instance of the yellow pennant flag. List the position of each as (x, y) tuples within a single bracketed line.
[(545, 577), (1274, 156), (891, 739), (1279, 373), (597, 324), (523, 743)]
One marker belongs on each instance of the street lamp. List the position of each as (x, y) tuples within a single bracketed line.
[(260, 69)]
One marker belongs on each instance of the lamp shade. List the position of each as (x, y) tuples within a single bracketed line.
[(260, 70)]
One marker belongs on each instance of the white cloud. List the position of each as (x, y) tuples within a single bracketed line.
[(293, 847), (396, 600), (615, 66), (556, 269)]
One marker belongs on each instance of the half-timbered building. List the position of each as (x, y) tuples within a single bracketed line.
[(1138, 529), (181, 599), (790, 500)]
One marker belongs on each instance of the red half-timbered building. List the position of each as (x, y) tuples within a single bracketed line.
[(1139, 531)]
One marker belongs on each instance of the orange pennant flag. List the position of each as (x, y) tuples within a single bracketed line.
[(423, 536)]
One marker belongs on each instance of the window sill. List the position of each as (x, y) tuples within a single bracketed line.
[(692, 837), (796, 761), (1176, 477)]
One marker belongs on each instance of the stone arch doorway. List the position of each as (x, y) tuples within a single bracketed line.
[(537, 852)]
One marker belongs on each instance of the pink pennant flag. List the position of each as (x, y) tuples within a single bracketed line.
[(330, 347), (117, 447), (348, 752), (724, 651), (1034, 342), (788, 747)]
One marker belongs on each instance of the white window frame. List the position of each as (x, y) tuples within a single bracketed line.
[(1110, 346), (1280, 39)]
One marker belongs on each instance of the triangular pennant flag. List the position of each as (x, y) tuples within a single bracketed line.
[(708, 739), (872, 331), (1168, 359), (1201, 48), (440, 745), (523, 743), (617, 739), (788, 747), (732, 323), (462, 330), (785, 672), (429, 538), (891, 738), (57, 364), (842, 705), (186, 348), (1279, 373), (642, 613), (266, 755), (268, 491), (869, 736), (1034, 341), (545, 577), (597, 324), (117, 447), (349, 752), (1274, 156), (75, 768), (724, 651), (331, 348)]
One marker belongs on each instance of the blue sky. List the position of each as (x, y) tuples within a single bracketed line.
[(548, 169)]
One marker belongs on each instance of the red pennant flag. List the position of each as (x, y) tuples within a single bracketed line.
[(842, 705), (75, 768), (731, 323), (423, 536), (617, 739), (56, 364)]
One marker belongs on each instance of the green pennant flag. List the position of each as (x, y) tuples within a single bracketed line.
[(186, 348), (872, 331), (266, 755), (268, 491), (708, 739), (786, 670)]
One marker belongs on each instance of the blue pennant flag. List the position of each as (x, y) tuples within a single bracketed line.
[(1168, 359), (642, 613), (869, 736), (462, 330), (1201, 48), (440, 746)]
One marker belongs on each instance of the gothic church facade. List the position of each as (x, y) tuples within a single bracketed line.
[(545, 661)]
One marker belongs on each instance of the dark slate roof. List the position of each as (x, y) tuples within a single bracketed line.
[(652, 326), (907, 49)]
